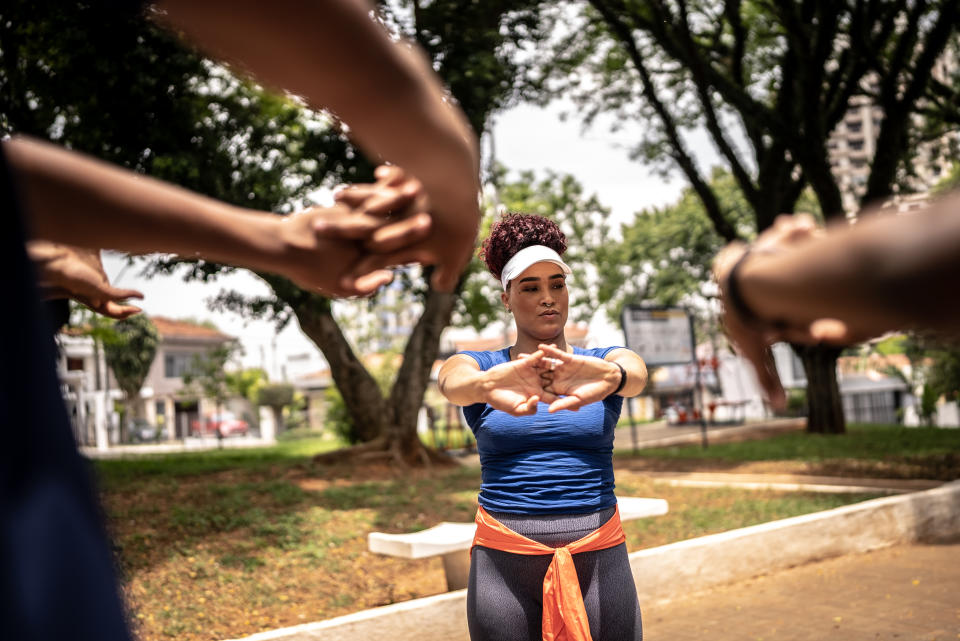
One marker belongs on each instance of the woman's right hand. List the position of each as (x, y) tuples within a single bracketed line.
[(515, 387)]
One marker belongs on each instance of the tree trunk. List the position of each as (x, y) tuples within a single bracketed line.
[(387, 427), (824, 405), (277, 419), (125, 414), (360, 392), (406, 397)]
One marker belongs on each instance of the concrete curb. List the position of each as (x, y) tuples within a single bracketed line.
[(698, 564), (687, 566)]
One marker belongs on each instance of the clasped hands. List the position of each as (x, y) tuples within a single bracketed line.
[(337, 251), (549, 375)]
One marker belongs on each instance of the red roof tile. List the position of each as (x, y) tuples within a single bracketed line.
[(171, 328)]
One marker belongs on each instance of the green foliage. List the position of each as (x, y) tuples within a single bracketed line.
[(797, 402), (111, 84), (927, 409), (130, 351), (208, 375), (948, 183), (666, 254), (895, 344), (944, 374), (274, 395), (337, 418), (244, 383), (935, 364), (478, 48), (296, 413), (768, 82)]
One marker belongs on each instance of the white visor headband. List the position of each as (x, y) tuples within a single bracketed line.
[(526, 257)]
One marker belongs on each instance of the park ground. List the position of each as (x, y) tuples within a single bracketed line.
[(224, 544)]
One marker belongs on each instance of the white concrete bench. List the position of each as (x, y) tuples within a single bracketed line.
[(452, 540)]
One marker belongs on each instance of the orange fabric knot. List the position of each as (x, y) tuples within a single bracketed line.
[(564, 616)]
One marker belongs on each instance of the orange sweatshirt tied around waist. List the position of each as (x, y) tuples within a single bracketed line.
[(564, 616)]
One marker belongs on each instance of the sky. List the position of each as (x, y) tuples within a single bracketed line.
[(525, 137)]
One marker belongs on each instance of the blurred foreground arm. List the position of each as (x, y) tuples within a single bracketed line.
[(78, 200), (334, 55), (842, 285)]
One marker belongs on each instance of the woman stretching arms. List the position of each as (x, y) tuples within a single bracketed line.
[(547, 488)]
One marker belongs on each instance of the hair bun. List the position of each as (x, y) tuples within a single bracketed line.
[(516, 231)]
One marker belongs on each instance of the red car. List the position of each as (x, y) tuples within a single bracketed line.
[(225, 424)]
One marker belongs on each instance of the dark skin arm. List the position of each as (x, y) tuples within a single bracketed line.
[(336, 57), (844, 284), (78, 200)]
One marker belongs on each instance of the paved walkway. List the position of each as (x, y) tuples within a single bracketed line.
[(785, 482), (906, 593), (659, 434), (191, 444)]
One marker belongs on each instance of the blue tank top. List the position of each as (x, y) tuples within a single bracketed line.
[(559, 463)]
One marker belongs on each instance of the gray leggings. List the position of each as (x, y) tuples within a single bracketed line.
[(505, 592)]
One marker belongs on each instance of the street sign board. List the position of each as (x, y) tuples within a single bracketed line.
[(661, 336)]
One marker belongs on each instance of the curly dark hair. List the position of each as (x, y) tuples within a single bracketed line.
[(516, 231)]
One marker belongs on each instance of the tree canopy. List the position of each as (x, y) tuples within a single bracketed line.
[(769, 83), (191, 121)]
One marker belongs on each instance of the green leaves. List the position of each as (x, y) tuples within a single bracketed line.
[(666, 253), (208, 374), (130, 351)]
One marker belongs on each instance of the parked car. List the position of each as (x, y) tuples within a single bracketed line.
[(225, 424), (141, 431)]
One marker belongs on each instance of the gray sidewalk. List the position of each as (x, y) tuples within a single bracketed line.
[(659, 434), (903, 593)]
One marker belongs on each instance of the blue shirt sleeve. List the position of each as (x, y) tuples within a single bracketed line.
[(483, 358)]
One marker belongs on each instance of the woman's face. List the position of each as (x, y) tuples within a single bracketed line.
[(538, 299)]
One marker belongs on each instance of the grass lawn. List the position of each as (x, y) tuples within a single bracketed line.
[(224, 544), (884, 451)]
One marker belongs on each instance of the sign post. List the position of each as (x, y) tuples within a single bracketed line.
[(662, 336)]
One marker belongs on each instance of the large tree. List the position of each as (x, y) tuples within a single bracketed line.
[(115, 86), (768, 81)]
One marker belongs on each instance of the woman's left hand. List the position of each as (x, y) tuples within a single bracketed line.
[(581, 380)]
